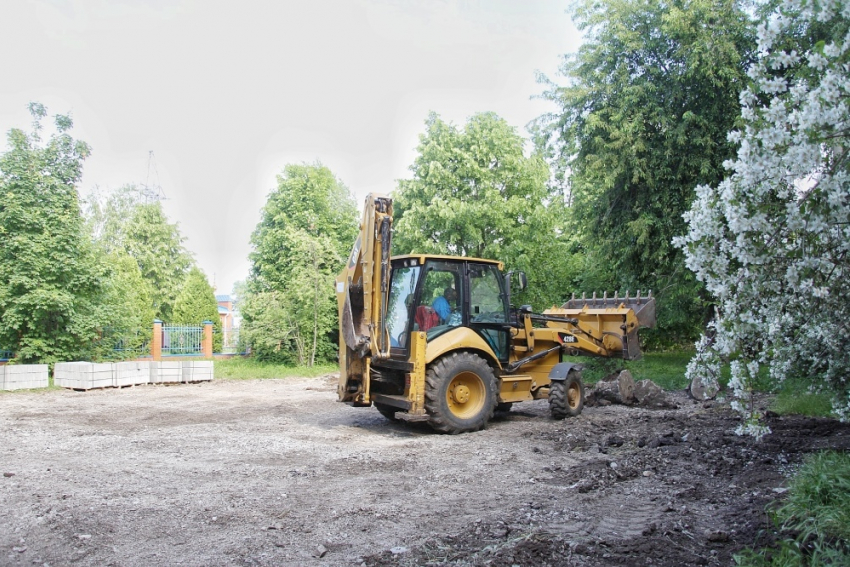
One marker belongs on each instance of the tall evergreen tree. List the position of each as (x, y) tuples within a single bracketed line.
[(126, 221), (127, 305), (651, 95), (196, 303), (157, 247)]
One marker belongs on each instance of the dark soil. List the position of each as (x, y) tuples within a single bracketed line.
[(707, 498)]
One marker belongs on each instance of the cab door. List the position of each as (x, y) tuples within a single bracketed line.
[(400, 305), (488, 307)]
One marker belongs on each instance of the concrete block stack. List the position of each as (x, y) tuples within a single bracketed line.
[(166, 372), (131, 373), (83, 375), (197, 370), (23, 376), (90, 375)]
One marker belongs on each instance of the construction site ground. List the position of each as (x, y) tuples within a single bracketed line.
[(277, 472)]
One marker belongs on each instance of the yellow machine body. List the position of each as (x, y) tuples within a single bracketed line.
[(452, 365)]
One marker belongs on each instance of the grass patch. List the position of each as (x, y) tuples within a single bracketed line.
[(813, 524), (239, 368), (667, 369), (795, 398)]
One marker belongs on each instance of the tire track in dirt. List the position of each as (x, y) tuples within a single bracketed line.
[(270, 472)]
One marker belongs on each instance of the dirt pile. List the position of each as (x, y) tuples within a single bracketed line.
[(621, 388), (668, 489)]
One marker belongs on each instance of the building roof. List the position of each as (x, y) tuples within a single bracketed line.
[(222, 298)]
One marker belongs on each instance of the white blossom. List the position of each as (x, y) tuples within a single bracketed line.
[(782, 59), (772, 241)]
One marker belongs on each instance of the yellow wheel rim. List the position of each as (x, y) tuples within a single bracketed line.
[(465, 395), (574, 395)]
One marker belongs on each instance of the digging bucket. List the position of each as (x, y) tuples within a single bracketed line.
[(642, 306)]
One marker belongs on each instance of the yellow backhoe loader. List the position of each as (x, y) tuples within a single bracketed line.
[(435, 338)]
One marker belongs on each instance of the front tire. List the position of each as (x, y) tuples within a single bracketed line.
[(566, 397), (460, 393)]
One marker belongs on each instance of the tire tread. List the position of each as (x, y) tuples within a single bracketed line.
[(442, 371)]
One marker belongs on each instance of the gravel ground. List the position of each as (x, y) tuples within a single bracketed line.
[(276, 472)]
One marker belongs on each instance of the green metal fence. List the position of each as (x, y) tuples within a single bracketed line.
[(182, 339), (125, 343), (230, 340)]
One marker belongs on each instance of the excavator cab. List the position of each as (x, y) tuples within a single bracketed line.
[(434, 295)]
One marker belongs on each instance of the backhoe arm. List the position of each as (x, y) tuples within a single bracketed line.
[(362, 289)]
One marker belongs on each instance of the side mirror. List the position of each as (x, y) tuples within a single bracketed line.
[(523, 281)]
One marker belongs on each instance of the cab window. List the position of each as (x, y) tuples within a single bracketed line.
[(486, 296), (441, 298), (488, 309), (399, 307)]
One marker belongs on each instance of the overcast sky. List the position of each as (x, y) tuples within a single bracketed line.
[(226, 93)]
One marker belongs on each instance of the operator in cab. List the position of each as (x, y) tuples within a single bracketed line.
[(446, 307)]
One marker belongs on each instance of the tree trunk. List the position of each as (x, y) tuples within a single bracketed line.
[(299, 343), (315, 305), (618, 389)]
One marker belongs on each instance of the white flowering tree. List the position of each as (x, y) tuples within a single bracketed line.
[(771, 242)]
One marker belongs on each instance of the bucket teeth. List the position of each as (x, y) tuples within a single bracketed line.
[(642, 304), (615, 299)]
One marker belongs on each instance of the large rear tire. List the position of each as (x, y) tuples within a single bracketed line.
[(566, 397), (460, 393)]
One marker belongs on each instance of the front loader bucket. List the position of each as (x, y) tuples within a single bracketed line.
[(613, 321), (645, 311), (643, 307)]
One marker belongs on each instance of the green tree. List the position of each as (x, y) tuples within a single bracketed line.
[(50, 284), (651, 95), (267, 327), (128, 307), (157, 247), (196, 303), (475, 193), (128, 221), (309, 223), (107, 214)]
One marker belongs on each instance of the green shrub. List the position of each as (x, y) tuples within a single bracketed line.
[(814, 521)]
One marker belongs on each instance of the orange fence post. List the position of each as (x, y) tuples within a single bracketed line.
[(208, 342), (156, 340)]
